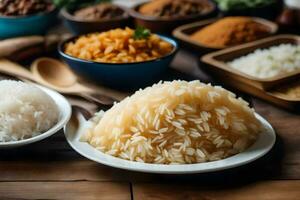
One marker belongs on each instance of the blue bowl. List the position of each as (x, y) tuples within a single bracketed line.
[(120, 75), (26, 25)]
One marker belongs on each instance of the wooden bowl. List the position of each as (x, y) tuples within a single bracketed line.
[(182, 34), (216, 62), (81, 26), (166, 25), (270, 96)]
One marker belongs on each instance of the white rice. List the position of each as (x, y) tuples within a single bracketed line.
[(25, 111), (267, 63), (175, 123)]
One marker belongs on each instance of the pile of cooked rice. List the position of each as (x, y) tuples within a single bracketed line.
[(175, 123), (118, 46), (25, 111)]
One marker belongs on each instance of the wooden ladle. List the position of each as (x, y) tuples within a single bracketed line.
[(57, 75)]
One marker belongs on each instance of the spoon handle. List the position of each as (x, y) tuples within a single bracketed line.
[(86, 114), (14, 69), (100, 99)]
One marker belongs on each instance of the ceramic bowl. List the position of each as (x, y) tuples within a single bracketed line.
[(120, 75), (37, 24), (166, 25), (80, 26), (270, 11), (64, 115)]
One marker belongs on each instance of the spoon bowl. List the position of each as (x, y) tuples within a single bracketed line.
[(57, 75), (71, 84), (54, 72)]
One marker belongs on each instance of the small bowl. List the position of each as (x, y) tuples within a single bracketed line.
[(37, 24), (81, 26), (216, 62), (269, 12), (120, 75), (182, 34), (166, 25), (65, 114)]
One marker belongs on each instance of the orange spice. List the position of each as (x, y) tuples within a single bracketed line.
[(230, 31)]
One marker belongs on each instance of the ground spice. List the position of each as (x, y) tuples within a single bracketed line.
[(230, 31)]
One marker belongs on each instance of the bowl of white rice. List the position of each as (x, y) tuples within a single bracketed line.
[(29, 113)]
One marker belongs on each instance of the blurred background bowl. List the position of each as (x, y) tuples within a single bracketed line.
[(166, 25), (81, 26), (270, 11), (120, 75), (36, 24)]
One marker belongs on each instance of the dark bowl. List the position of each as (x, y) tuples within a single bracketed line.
[(80, 26), (166, 25), (120, 75), (270, 12), (36, 24)]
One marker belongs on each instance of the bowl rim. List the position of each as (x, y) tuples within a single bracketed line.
[(166, 38), (137, 15), (39, 14), (67, 15)]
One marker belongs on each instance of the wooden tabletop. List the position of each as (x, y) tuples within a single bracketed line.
[(51, 169)]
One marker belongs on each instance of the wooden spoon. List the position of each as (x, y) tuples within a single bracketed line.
[(57, 75), (13, 69)]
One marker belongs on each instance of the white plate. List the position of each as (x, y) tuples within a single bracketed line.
[(262, 146), (64, 116)]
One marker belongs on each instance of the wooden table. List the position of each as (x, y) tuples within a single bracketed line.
[(52, 170)]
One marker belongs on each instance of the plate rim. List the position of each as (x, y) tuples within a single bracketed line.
[(64, 118), (163, 169)]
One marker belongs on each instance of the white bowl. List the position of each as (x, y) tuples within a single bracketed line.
[(263, 145), (64, 116)]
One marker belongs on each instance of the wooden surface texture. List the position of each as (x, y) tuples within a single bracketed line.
[(50, 169)]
